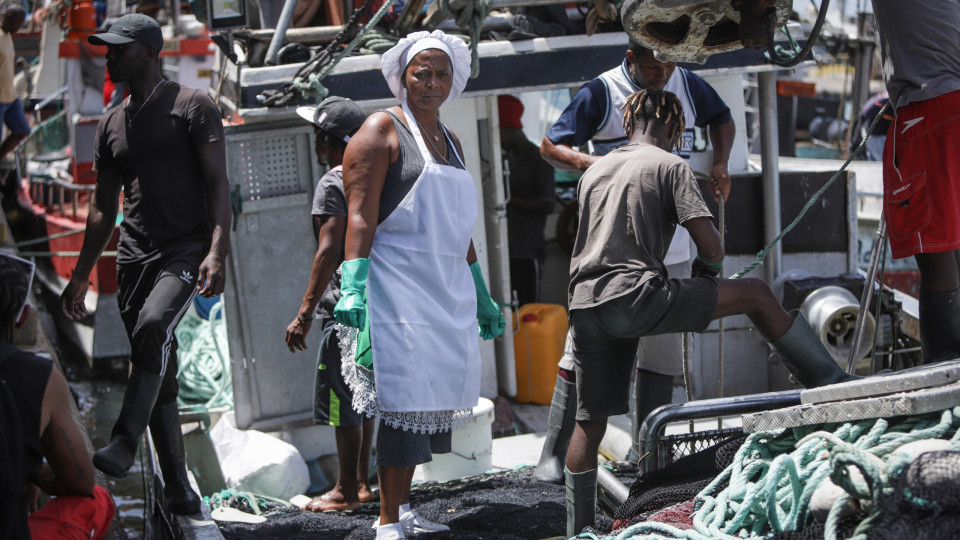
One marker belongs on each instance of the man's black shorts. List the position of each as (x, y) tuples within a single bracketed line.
[(332, 397), (605, 336)]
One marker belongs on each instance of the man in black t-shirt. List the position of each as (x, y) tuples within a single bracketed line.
[(164, 147), (334, 121)]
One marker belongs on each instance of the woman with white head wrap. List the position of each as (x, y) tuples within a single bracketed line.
[(410, 280)]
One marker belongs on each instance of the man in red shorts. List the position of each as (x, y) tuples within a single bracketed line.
[(921, 168)]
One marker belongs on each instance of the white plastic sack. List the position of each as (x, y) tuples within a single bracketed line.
[(256, 462)]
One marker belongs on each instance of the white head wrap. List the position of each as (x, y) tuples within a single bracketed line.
[(395, 61)]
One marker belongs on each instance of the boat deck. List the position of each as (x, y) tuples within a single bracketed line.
[(505, 505)]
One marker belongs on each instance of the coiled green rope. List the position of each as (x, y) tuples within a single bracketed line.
[(253, 503), (203, 361), (470, 20), (376, 42), (775, 474)]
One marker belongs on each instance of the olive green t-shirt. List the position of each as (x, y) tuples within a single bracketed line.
[(631, 202)]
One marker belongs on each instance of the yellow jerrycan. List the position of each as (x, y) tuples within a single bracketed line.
[(537, 347)]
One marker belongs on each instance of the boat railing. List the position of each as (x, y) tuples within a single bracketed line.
[(51, 190), (48, 100), (656, 454), (50, 135)]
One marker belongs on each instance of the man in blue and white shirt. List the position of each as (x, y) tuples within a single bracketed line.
[(594, 116)]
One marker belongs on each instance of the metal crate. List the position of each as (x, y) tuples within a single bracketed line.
[(673, 447), (659, 450)]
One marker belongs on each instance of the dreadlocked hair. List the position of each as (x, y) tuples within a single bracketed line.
[(647, 106), (13, 292)]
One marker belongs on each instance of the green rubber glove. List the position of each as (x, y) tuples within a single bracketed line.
[(351, 310), (489, 314), (364, 354)]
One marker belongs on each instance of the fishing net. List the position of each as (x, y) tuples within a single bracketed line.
[(51, 135), (678, 515), (925, 502), (818, 531), (505, 506), (676, 483)]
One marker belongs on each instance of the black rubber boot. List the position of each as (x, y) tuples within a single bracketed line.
[(118, 455), (168, 441), (560, 422), (581, 500), (940, 325), (805, 356), (652, 390)]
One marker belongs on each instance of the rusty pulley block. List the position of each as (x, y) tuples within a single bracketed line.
[(692, 30)]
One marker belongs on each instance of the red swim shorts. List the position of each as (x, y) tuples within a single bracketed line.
[(921, 177), (73, 517)]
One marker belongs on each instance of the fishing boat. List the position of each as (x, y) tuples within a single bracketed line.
[(55, 163), (817, 267)]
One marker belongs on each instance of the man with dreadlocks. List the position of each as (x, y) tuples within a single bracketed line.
[(631, 201), (594, 115)]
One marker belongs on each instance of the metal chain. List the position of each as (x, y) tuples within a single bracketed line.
[(308, 71)]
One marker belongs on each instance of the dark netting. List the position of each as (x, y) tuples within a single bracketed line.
[(674, 447), (925, 502), (509, 506), (676, 483), (678, 515)]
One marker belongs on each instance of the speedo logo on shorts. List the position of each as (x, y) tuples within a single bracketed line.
[(907, 124), (900, 190)]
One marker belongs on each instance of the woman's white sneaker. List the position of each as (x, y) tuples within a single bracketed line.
[(414, 523)]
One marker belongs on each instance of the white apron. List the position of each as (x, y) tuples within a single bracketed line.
[(422, 302)]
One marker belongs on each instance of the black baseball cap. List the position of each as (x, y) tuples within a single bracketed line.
[(338, 116), (130, 28)]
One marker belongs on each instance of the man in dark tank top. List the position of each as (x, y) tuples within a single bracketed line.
[(44, 447)]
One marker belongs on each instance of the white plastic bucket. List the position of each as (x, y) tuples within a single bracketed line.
[(472, 448)]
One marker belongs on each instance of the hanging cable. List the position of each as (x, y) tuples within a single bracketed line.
[(723, 244), (782, 60), (762, 254), (685, 353)]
